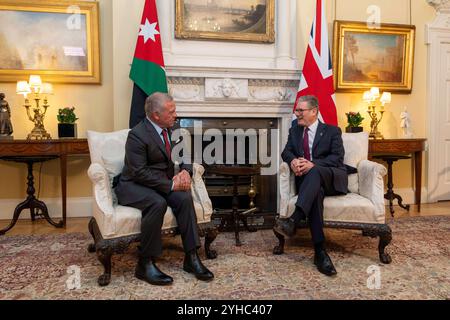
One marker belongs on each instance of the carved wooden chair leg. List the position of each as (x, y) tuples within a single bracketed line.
[(279, 249), (210, 236), (385, 235), (104, 256), (91, 246)]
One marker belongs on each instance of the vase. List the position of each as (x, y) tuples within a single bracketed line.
[(354, 129), (67, 130)]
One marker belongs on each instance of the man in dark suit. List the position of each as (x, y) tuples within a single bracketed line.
[(148, 183), (315, 153)]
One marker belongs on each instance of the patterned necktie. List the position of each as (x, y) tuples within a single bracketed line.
[(166, 142), (306, 153)]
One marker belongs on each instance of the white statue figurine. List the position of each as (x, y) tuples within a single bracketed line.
[(405, 124)]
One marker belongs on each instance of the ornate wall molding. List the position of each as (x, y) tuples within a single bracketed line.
[(272, 94), (186, 92), (272, 83), (440, 5), (186, 81), (247, 86), (226, 88), (440, 26)]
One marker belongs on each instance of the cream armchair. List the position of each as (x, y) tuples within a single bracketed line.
[(363, 208), (115, 227)]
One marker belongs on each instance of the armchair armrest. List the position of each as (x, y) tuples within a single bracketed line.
[(287, 188), (103, 197), (200, 194), (371, 185), (102, 188)]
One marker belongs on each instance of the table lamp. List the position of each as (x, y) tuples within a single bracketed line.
[(37, 114), (371, 97)]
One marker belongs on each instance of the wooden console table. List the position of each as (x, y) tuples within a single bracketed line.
[(236, 215), (60, 148), (405, 147)]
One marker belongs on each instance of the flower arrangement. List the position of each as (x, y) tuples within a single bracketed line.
[(354, 119), (67, 115)]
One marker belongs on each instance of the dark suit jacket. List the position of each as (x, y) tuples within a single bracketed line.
[(146, 165), (327, 151)]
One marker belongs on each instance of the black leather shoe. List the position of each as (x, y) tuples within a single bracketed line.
[(286, 227), (303, 220), (323, 262), (148, 271), (192, 264)]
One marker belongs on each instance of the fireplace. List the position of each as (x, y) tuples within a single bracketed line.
[(224, 98), (242, 138)]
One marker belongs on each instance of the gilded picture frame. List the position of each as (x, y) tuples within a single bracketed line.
[(237, 20), (58, 40), (366, 57)]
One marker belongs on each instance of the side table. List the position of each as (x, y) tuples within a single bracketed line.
[(236, 214), (37, 207), (390, 194)]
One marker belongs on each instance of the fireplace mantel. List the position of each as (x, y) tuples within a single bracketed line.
[(235, 92)]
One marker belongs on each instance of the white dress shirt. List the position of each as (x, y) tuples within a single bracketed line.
[(159, 130)]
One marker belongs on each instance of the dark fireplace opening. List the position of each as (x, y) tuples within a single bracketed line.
[(258, 190)]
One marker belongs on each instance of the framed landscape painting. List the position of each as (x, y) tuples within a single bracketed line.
[(58, 40), (366, 57), (229, 20)]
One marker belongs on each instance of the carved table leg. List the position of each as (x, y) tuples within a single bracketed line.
[(236, 227), (41, 205), (390, 194), (33, 214), (17, 211), (235, 206), (400, 202), (390, 185)]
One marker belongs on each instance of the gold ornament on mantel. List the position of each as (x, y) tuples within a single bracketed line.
[(36, 114)]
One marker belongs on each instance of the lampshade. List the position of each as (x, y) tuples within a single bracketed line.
[(23, 88), (367, 96), (386, 98), (375, 92), (46, 88), (35, 82)]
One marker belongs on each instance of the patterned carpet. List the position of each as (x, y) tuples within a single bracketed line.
[(35, 267)]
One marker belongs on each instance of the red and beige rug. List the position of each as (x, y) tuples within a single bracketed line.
[(37, 267)]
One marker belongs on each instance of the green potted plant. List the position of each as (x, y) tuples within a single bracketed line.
[(354, 120), (67, 128)]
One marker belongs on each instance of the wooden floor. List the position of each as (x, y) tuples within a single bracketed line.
[(26, 227)]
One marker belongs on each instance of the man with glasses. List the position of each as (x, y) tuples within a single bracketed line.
[(315, 152)]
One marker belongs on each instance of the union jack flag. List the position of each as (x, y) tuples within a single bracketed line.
[(317, 75)]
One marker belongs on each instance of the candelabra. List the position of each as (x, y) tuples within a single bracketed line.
[(371, 97), (36, 114)]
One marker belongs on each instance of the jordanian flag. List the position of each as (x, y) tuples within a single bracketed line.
[(147, 70)]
